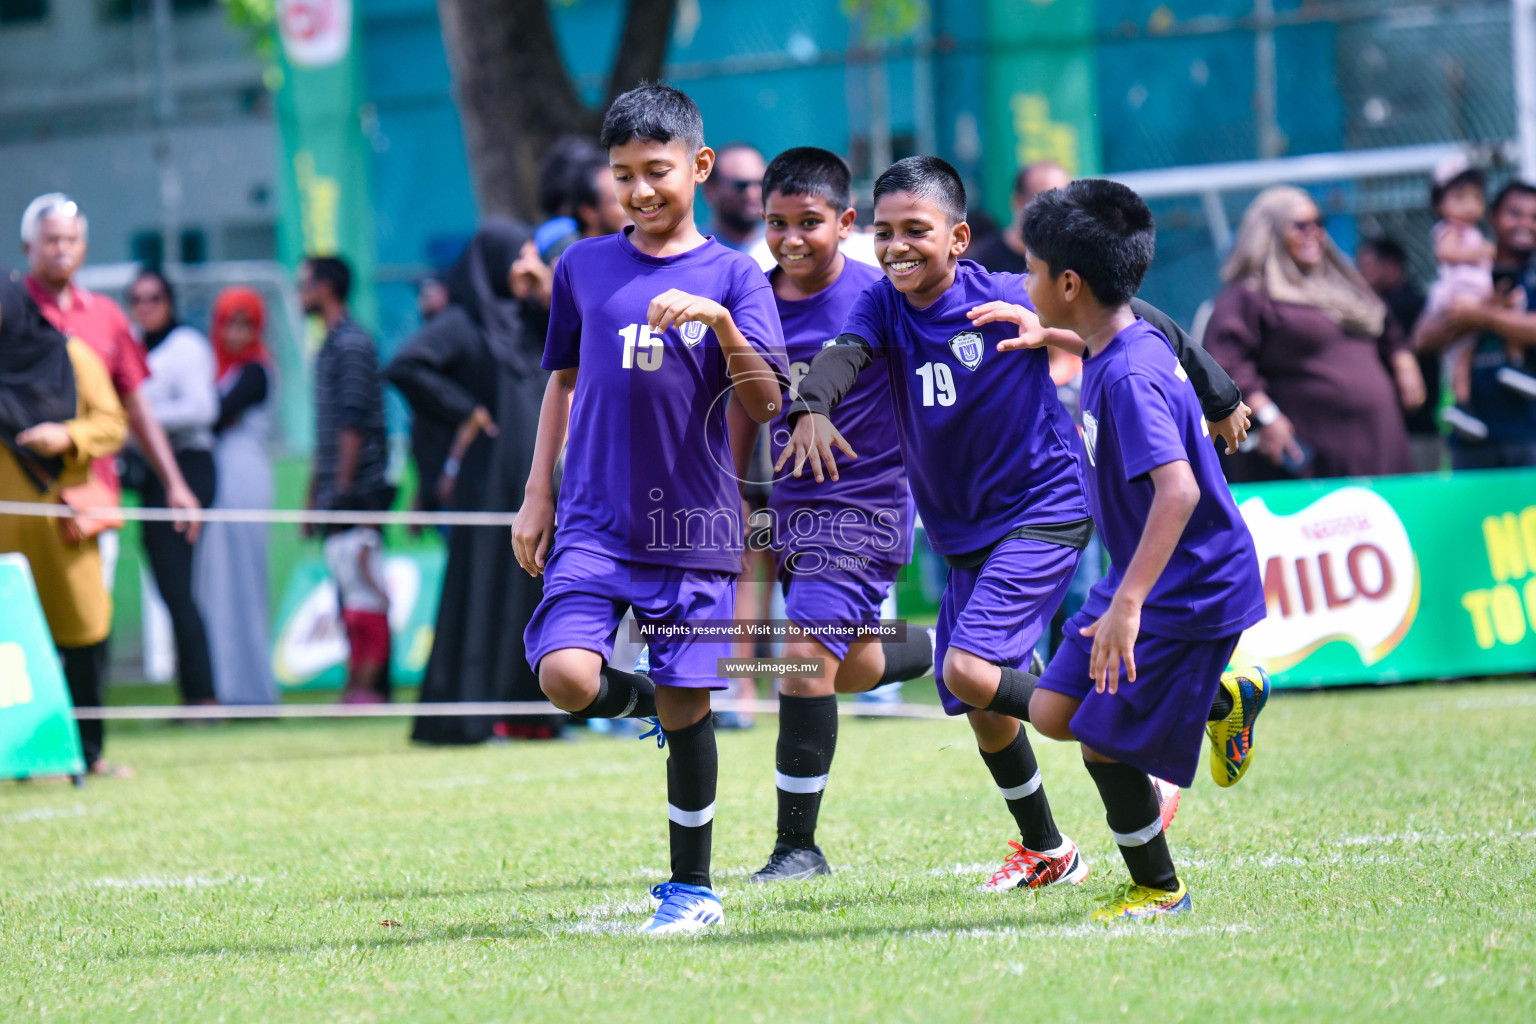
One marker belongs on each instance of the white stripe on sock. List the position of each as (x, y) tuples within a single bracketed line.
[(1141, 837), (691, 819), (1024, 790), (800, 783)]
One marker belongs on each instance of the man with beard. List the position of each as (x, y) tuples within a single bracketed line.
[(735, 197)]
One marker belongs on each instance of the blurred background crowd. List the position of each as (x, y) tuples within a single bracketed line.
[(302, 252)]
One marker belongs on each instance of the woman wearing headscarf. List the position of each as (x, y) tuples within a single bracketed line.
[(232, 557), (58, 411), (1327, 371), (476, 367), (181, 392)]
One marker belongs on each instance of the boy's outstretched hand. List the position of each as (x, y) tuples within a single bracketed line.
[(1114, 640), (1233, 429), (673, 307), (1031, 333), (532, 530), (812, 442)]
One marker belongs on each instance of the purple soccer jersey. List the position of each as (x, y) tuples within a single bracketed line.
[(649, 476), (1140, 412), (860, 525), (988, 447)]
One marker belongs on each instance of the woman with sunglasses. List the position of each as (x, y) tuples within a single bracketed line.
[(1325, 368), (181, 391)]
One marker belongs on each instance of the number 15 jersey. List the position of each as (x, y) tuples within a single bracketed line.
[(988, 446), (649, 477)]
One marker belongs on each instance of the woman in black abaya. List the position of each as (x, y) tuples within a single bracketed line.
[(476, 367)]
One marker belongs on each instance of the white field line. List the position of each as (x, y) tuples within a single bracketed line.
[(1410, 837), (167, 882), (1121, 930), (52, 813)]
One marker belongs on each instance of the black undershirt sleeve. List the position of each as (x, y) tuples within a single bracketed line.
[(832, 375), (1219, 396)]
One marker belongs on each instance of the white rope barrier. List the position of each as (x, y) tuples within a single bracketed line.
[(500, 709), (53, 510)]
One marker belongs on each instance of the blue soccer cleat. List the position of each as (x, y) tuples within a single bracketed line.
[(683, 910), (654, 730)]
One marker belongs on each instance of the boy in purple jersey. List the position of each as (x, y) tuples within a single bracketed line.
[(651, 333), (838, 546), (1184, 577), (993, 462)]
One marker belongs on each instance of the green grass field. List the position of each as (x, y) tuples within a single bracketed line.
[(1378, 863)]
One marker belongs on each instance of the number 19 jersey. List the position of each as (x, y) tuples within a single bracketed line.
[(649, 476), (988, 446)]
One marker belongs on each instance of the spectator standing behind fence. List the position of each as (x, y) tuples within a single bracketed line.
[(1384, 265), (231, 578), (477, 366), (351, 455), (1463, 257), (1505, 329), (53, 237), (58, 413), (181, 391), (1326, 370)]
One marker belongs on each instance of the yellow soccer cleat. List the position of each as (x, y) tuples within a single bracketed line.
[(1132, 902), (1232, 737)]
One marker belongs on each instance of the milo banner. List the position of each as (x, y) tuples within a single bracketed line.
[(1394, 578), (318, 92), (309, 644), (37, 727)]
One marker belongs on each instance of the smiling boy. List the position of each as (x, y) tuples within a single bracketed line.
[(1183, 581), (651, 332), (841, 545), (992, 457)]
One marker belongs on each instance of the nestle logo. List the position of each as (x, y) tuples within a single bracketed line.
[(1338, 526)]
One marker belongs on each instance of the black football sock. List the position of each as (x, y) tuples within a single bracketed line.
[(1221, 706), (807, 739), (1018, 776), (693, 765), (911, 658), (1130, 805), (1013, 693), (621, 695)]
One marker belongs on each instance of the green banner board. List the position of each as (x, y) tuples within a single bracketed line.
[(1394, 578), (37, 730), (309, 645)]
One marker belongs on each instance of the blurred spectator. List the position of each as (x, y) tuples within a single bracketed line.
[(576, 183), (53, 236), (232, 557), (1384, 265), (734, 193), (477, 367), (181, 391), (430, 437), (1463, 257), (1003, 253), (431, 297), (1506, 331), (351, 455), (1327, 371), (58, 412)]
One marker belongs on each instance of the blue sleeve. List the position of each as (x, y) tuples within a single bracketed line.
[(867, 320), (757, 318), (562, 342), (1146, 429), (1015, 289)]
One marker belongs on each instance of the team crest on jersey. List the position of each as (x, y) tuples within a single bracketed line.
[(692, 332), (967, 348), (1090, 436)]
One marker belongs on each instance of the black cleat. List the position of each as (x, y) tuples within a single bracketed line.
[(793, 864)]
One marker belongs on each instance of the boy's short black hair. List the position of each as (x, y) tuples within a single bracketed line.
[(333, 272), (926, 177), (810, 171), (1100, 229), (655, 112), (1470, 176), (558, 173)]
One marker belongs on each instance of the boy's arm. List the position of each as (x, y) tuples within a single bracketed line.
[(1175, 495), (758, 386), (1221, 401), (832, 375), (534, 526)]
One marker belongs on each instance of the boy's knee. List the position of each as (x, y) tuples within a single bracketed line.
[(569, 682), (1051, 717), (971, 678)]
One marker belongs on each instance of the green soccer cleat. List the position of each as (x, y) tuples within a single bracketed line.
[(1232, 737), (1132, 902)]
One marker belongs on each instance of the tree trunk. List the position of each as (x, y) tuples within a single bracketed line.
[(516, 96)]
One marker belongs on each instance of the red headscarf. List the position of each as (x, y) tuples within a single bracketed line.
[(247, 302)]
